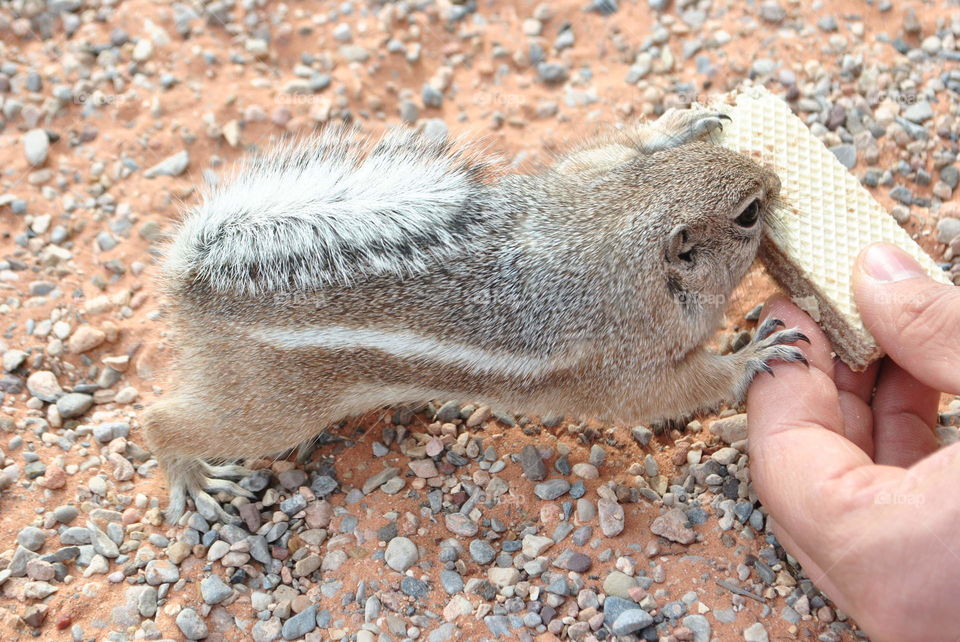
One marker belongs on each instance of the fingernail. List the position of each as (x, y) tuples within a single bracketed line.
[(885, 262)]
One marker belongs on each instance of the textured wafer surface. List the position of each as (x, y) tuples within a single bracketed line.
[(824, 218)]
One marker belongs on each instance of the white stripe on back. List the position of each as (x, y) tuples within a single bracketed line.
[(406, 345)]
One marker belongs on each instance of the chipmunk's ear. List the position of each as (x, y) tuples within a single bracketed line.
[(681, 246)]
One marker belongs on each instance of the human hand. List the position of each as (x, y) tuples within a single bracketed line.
[(848, 465)]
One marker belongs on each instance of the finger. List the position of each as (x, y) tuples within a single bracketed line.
[(798, 453), (860, 384), (857, 421), (818, 351), (904, 412), (855, 394), (914, 319)]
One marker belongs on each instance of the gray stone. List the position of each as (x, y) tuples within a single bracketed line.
[(21, 557), (267, 630), (618, 584), (730, 429), (443, 633), (532, 463), (951, 176), (902, 194), (36, 146), (74, 404), (341, 33), (435, 129), (147, 602), (764, 66), (597, 455), (354, 53), (161, 572), (611, 517), (31, 538), (460, 524), (552, 73), (75, 535), (102, 543), (38, 590), (551, 489), (772, 12), (451, 581), (214, 590), (191, 625), (641, 434), (300, 624), (43, 385), (846, 154), (499, 625), (13, 359), (614, 607), (919, 112), (379, 479), (409, 111), (481, 551), (65, 514), (672, 526), (755, 633), (401, 554), (827, 23), (948, 228), (174, 165), (293, 504), (431, 98), (630, 621), (333, 560), (414, 587)]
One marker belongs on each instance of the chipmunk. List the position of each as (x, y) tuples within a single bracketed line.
[(332, 278)]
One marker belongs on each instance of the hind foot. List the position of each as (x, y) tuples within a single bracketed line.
[(196, 480)]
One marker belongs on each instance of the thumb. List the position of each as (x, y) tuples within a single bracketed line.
[(914, 319)]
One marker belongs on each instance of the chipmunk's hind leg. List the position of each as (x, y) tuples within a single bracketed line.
[(176, 432)]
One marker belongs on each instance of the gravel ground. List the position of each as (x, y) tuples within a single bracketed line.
[(435, 523)]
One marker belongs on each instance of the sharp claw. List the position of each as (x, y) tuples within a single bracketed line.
[(724, 117), (802, 337), (803, 360), (766, 368)]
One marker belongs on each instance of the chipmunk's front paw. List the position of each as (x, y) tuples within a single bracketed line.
[(681, 126), (704, 124), (770, 344)]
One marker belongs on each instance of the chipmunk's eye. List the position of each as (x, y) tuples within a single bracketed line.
[(750, 214)]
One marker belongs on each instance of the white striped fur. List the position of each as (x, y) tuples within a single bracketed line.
[(408, 345)]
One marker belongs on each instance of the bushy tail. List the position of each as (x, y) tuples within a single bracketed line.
[(333, 211)]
